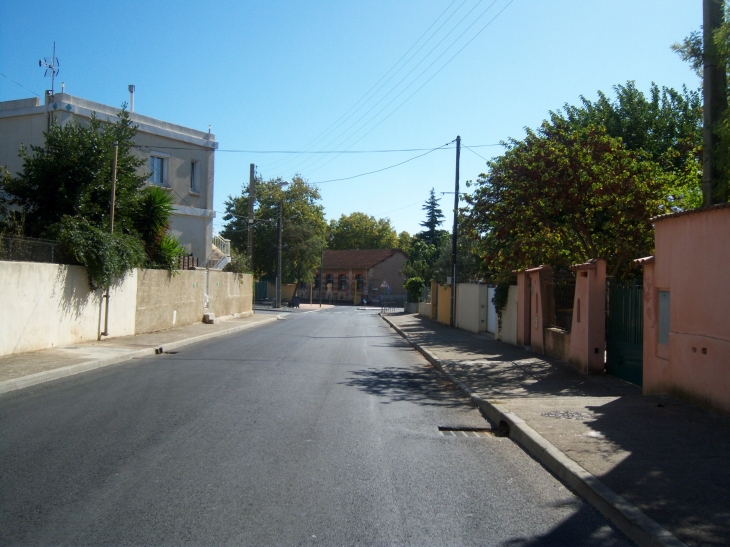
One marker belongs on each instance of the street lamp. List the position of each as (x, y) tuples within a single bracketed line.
[(279, 227)]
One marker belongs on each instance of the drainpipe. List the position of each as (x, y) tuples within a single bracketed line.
[(111, 231)]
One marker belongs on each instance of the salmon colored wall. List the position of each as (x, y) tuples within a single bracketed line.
[(588, 329), (538, 301), (692, 262)]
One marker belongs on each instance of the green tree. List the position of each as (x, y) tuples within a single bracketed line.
[(303, 235), (71, 175), (405, 240), (422, 257), (665, 127), (360, 231), (469, 266), (64, 193), (565, 194), (434, 219)]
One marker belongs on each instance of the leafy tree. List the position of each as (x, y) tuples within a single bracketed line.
[(303, 235), (360, 231), (64, 193), (469, 266), (565, 194), (434, 219), (414, 285), (405, 241), (71, 175), (152, 222), (421, 260), (665, 127)]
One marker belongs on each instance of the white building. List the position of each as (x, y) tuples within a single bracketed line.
[(178, 159)]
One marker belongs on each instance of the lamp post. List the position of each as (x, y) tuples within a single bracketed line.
[(279, 227)]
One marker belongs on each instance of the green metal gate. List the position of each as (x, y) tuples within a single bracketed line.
[(625, 336)]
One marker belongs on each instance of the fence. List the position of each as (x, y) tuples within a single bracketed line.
[(560, 296), (28, 249), (392, 302), (188, 262)]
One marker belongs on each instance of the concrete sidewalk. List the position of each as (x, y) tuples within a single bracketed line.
[(27, 369), (657, 467)]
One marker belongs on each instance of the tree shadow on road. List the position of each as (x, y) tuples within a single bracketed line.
[(421, 384)]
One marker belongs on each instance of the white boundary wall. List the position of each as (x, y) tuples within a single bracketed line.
[(50, 305), (471, 307), (509, 318)]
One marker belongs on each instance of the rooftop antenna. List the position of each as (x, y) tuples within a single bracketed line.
[(51, 65)]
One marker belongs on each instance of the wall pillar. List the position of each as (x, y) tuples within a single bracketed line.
[(538, 305), (588, 328), (523, 308)]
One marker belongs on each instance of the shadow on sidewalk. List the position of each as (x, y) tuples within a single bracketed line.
[(667, 457)]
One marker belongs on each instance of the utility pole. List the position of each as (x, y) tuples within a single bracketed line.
[(453, 234), (321, 265), (111, 231), (278, 257), (714, 86), (251, 202)]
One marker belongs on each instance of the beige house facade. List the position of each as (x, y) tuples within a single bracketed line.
[(351, 276), (178, 159)]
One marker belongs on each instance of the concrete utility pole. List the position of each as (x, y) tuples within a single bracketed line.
[(251, 202), (453, 234), (714, 81)]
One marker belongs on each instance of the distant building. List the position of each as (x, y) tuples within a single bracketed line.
[(353, 275), (178, 159)]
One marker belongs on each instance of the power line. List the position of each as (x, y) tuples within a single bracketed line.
[(472, 151), (384, 168), (430, 78), (347, 114), (382, 151), (411, 72), (21, 85)]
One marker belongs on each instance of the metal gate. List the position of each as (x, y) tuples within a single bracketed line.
[(625, 336)]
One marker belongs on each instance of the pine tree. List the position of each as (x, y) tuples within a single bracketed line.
[(434, 219)]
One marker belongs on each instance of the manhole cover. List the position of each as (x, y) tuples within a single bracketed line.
[(567, 415), (465, 431)]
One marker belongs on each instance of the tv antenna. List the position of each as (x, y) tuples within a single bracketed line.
[(51, 65)]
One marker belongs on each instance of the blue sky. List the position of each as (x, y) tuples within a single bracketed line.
[(277, 75)]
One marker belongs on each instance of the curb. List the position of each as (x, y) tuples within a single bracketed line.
[(71, 370), (628, 518)]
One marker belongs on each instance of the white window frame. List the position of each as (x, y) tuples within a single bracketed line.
[(194, 177), (164, 163)]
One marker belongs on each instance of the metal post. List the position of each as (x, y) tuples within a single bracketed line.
[(251, 202), (111, 231), (278, 256), (321, 265), (453, 235)]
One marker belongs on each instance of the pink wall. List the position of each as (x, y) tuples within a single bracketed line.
[(692, 262), (588, 329)]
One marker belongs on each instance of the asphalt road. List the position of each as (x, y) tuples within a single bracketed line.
[(320, 429)]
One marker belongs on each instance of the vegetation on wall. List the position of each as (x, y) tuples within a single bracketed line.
[(586, 183), (64, 193)]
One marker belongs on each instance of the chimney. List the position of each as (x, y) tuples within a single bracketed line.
[(63, 87), (131, 98)]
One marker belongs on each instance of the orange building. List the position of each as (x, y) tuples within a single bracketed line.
[(354, 276)]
